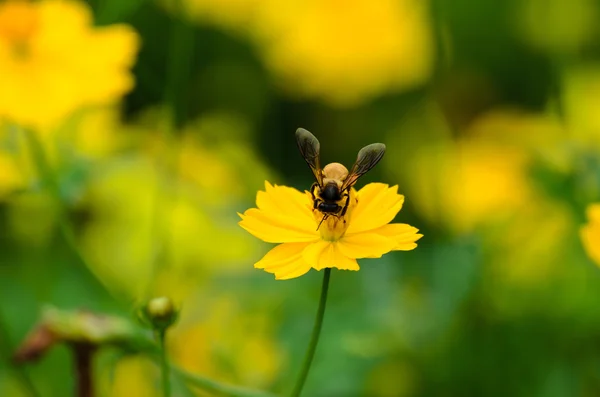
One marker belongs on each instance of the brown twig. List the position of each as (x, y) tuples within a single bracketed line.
[(37, 342), (82, 355)]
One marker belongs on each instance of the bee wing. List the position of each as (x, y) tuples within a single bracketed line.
[(309, 148), (366, 159)]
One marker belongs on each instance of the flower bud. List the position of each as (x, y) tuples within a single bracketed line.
[(160, 313)]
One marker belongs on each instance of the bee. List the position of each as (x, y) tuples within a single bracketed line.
[(331, 191)]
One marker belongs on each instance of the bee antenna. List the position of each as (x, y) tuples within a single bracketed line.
[(324, 217)]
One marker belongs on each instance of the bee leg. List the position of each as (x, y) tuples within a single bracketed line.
[(324, 217), (346, 206)]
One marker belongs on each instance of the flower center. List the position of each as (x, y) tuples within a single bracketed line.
[(18, 23), (333, 227)]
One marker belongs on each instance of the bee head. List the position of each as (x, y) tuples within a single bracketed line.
[(335, 171)]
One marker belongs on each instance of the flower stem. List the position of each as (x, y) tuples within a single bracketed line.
[(49, 180), (179, 67), (164, 365), (314, 339), (83, 369)]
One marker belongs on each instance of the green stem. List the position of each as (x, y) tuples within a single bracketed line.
[(179, 66), (175, 95), (164, 365), (42, 165), (314, 339), (50, 180)]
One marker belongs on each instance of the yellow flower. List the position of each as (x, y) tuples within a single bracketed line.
[(133, 201), (342, 52), (496, 150), (346, 52), (227, 343), (129, 378), (286, 216), (53, 61), (590, 233)]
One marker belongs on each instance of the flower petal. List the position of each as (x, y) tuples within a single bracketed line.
[(327, 254), (280, 254), (313, 251), (295, 269), (377, 205), (365, 245), (333, 257), (284, 215), (275, 228), (285, 261), (404, 235), (286, 201)]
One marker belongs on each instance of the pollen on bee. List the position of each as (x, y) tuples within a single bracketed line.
[(335, 171)]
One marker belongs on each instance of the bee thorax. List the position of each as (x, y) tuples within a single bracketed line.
[(331, 192), (335, 171)]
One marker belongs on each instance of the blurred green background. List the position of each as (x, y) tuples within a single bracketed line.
[(489, 111)]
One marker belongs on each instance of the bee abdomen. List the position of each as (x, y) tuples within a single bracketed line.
[(328, 207)]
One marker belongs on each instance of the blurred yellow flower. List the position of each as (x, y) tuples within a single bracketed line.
[(286, 216), (11, 177), (459, 170), (95, 134), (481, 177), (130, 378), (137, 216), (16, 169), (53, 61), (533, 266), (148, 203), (346, 52), (342, 52), (590, 233), (227, 342), (231, 167)]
